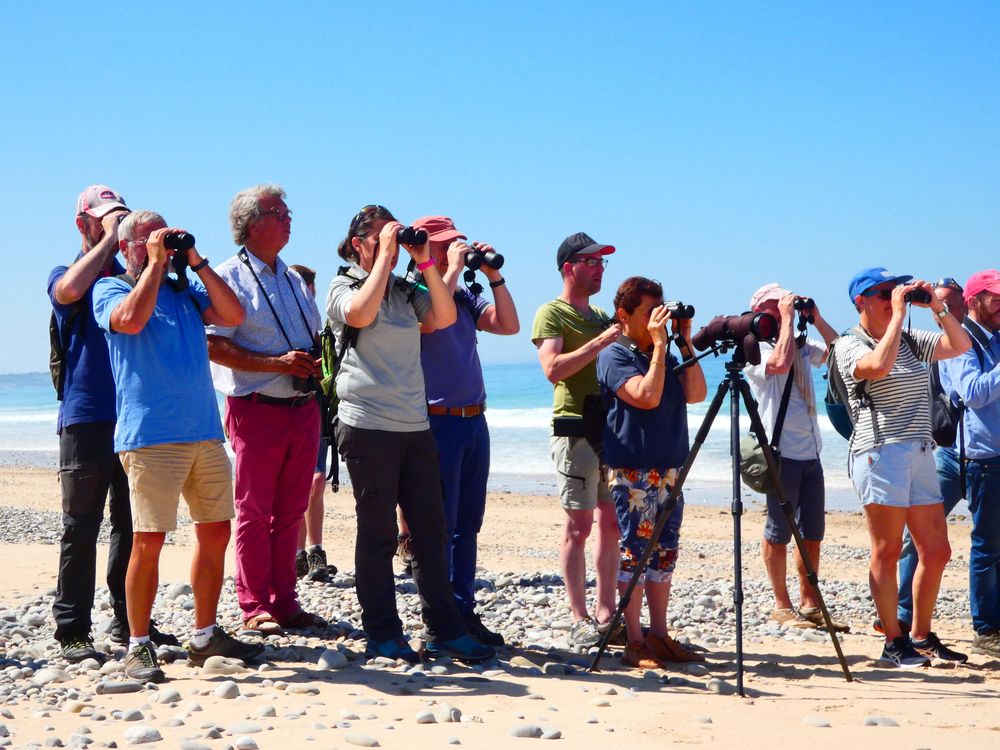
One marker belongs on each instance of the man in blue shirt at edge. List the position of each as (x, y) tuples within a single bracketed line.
[(979, 387), (169, 435), (89, 469), (456, 399)]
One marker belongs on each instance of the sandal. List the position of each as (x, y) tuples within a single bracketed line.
[(791, 618), (263, 623), (303, 620)]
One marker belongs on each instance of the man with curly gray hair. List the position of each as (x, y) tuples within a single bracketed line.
[(268, 368)]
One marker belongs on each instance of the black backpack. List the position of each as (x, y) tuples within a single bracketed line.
[(58, 341)]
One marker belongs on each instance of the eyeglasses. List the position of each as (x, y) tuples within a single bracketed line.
[(947, 283), (885, 294), (592, 262), (137, 242), (281, 214)]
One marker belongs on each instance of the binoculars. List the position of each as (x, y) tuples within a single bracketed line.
[(411, 236), (475, 259), (678, 310)]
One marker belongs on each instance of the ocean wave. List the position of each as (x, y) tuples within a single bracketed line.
[(15, 417), (507, 419)]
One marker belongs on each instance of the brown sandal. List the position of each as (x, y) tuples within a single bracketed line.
[(262, 623)]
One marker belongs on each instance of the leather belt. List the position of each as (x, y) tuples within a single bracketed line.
[(260, 398), (456, 411)]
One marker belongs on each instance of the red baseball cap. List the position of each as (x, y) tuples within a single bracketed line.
[(982, 281), (439, 228), (99, 200)]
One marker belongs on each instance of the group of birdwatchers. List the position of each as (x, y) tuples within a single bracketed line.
[(146, 330)]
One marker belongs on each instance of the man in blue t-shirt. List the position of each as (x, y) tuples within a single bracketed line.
[(456, 400), (89, 470), (169, 435)]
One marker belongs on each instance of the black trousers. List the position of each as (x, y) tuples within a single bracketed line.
[(386, 469), (89, 471)]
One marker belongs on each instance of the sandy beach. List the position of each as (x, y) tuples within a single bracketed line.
[(796, 691)]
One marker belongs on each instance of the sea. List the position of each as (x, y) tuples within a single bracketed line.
[(519, 410)]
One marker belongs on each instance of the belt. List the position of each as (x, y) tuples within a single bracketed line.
[(260, 398), (456, 411)]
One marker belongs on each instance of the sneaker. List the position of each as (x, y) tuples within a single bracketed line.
[(585, 633), (474, 624), (223, 644), (903, 625), (120, 635), (987, 643), (404, 551), (318, 569), (141, 664), (640, 656), (465, 648), (790, 617), (932, 648), (301, 564), (815, 616), (900, 653), (396, 648), (77, 648), (668, 650)]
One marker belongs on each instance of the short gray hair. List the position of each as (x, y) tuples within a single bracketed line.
[(245, 209), (126, 230)]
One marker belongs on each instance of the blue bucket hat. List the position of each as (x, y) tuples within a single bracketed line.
[(867, 278)]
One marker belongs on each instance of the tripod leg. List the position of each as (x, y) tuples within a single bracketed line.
[(737, 511), (661, 520), (757, 427)]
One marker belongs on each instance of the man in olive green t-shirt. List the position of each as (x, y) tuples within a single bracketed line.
[(569, 333)]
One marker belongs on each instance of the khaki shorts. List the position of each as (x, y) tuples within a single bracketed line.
[(579, 474), (158, 474)]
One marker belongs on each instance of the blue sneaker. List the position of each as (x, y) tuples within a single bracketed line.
[(396, 648), (465, 648)]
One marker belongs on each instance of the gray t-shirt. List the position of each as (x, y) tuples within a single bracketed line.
[(901, 399), (380, 383)]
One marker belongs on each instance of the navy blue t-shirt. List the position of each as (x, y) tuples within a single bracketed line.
[(89, 392), (641, 438)]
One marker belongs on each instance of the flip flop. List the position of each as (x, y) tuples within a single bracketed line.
[(263, 623)]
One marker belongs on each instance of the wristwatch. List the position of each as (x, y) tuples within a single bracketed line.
[(944, 310)]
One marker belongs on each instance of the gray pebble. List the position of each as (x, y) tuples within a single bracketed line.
[(266, 711), (426, 717), (246, 743), (361, 740), (141, 735), (879, 721), (132, 714), (703, 719), (193, 745), (532, 731), (118, 688), (227, 690), (332, 659), (243, 727)]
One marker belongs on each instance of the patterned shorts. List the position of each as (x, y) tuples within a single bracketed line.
[(639, 497)]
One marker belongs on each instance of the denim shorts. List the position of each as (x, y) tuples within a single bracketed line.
[(900, 475)]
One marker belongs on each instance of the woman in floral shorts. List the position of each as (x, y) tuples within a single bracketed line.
[(645, 443)]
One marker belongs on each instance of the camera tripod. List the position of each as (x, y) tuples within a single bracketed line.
[(736, 386)]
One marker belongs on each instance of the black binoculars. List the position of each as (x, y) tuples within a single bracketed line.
[(678, 310), (178, 241), (411, 236), (311, 383), (918, 295), (804, 304), (475, 259)]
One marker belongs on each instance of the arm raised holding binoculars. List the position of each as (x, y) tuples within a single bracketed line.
[(692, 377)]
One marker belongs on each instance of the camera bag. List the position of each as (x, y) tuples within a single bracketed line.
[(753, 465)]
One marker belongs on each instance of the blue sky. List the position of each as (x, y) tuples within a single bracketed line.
[(718, 146)]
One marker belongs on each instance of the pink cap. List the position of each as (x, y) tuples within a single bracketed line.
[(439, 228), (767, 292), (982, 281), (98, 200)]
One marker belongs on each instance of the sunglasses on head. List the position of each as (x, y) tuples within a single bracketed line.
[(947, 283), (372, 209)]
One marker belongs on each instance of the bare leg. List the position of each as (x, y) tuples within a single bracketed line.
[(607, 557), (807, 596), (207, 569), (885, 528), (401, 524), (657, 599), (777, 569), (141, 580), (633, 613), (313, 519), (929, 529), (573, 560)]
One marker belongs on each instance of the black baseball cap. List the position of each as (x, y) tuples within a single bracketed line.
[(580, 243)]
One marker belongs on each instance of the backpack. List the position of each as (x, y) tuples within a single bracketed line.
[(58, 341), (331, 359)]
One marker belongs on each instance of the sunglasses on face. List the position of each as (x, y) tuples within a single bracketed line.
[(281, 215), (883, 294)]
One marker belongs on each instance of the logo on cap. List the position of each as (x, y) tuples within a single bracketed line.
[(108, 195)]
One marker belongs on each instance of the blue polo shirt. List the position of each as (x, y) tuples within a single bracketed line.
[(453, 375), (89, 389), (164, 386), (636, 438)]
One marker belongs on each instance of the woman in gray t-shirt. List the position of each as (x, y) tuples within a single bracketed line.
[(385, 438), (891, 451)]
